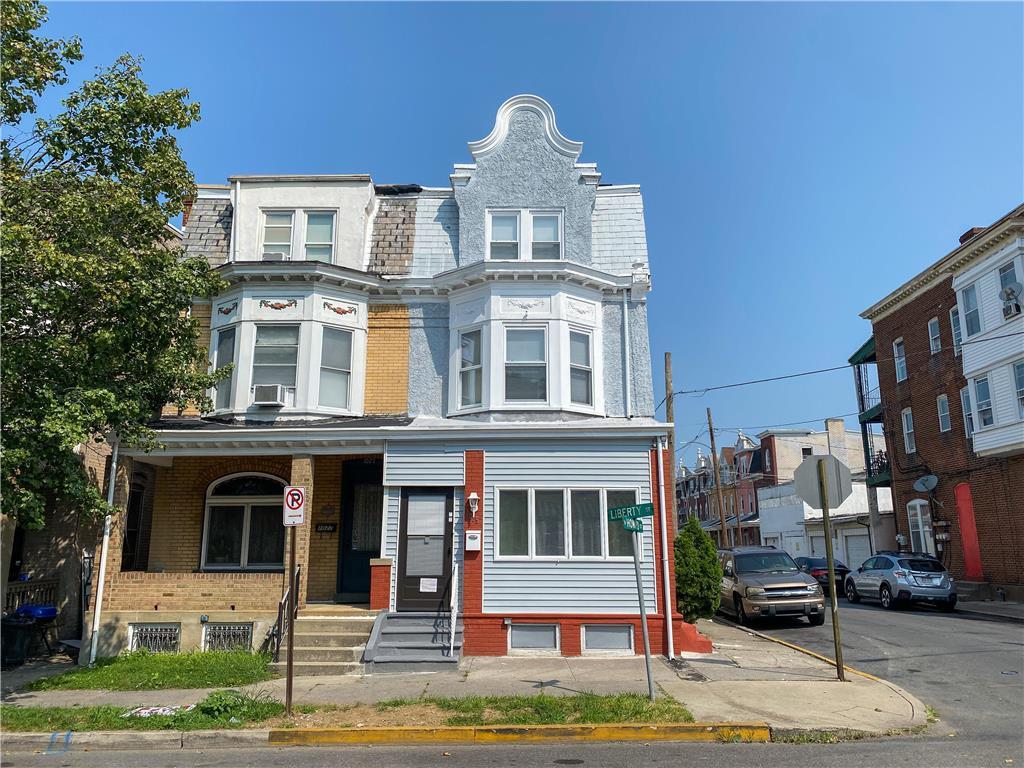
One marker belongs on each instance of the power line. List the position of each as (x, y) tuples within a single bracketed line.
[(786, 424)]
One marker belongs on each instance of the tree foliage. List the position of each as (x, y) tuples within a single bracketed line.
[(698, 572), (95, 291)]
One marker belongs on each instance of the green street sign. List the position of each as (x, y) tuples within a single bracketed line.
[(633, 510), (633, 524)]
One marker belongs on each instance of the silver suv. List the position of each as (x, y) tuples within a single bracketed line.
[(895, 578), (764, 581)]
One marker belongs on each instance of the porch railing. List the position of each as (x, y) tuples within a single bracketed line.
[(453, 604), (40, 591), (287, 612)]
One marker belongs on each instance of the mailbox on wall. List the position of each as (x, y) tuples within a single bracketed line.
[(472, 541)]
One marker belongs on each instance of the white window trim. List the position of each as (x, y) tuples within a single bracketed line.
[(589, 333), (607, 651), (527, 326), (484, 368), (976, 402), (1012, 263), (525, 231), (929, 537), (963, 311), (898, 358), (955, 330), (298, 238), (334, 233), (939, 411), (216, 364), (556, 651), (1018, 394), (292, 392), (909, 438), (934, 339), (236, 501), (968, 411), (350, 370), (263, 231), (567, 522)]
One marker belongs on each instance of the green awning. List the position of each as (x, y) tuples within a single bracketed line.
[(866, 353)]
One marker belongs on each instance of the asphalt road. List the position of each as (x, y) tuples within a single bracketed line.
[(969, 668)]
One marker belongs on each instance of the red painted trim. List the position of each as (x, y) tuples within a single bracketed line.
[(380, 586), (473, 562), (968, 532)]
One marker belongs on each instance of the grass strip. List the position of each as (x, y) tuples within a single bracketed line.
[(143, 671)]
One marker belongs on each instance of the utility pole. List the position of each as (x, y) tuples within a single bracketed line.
[(670, 417), (718, 480), (830, 561)]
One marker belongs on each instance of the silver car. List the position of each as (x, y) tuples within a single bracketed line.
[(901, 578)]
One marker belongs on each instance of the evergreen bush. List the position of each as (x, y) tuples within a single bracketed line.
[(698, 572)]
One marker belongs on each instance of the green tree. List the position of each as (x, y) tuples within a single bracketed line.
[(95, 293), (698, 572)]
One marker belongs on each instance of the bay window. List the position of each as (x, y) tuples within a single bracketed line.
[(335, 368), (983, 402), (470, 369), (526, 369), (275, 357), (965, 405), (1018, 381), (225, 355), (1007, 275), (242, 527), (954, 323), (581, 374), (319, 244), (972, 315)]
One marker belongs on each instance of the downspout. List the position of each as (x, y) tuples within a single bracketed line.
[(627, 362), (662, 518), (107, 523)]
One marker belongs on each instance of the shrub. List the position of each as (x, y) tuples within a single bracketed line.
[(698, 572)]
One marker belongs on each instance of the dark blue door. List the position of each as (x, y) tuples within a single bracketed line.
[(362, 510)]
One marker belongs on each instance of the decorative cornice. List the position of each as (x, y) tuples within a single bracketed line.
[(529, 103)]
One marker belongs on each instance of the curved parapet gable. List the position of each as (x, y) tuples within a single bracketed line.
[(530, 103)]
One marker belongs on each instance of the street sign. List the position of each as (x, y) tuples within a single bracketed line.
[(631, 511), (805, 481), (633, 524), (294, 505)]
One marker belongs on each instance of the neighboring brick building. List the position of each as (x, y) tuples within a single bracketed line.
[(929, 417)]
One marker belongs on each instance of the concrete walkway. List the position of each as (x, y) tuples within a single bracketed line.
[(746, 679), (993, 609)]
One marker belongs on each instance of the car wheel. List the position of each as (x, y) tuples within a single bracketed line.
[(817, 619), (851, 592), (741, 615), (885, 596)]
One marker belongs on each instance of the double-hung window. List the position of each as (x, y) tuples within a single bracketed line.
[(243, 524), (505, 235), (335, 368), (1018, 380), (965, 405), (934, 337), (972, 315), (909, 443), (983, 402), (919, 516), (276, 355), (277, 233), (942, 406), (1007, 275), (225, 356), (899, 357), (319, 245), (526, 367), (470, 369), (524, 234), (546, 240), (954, 324), (581, 371)]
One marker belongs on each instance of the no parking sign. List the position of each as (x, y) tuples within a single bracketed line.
[(294, 505)]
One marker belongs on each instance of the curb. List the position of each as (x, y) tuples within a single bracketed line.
[(492, 734), (990, 616), (96, 741)]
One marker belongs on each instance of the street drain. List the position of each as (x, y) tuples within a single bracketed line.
[(568, 761)]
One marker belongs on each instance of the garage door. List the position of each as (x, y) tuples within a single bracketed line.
[(858, 549), (817, 546)]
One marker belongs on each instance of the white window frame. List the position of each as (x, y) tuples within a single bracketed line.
[(631, 651), (334, 233), (482, 366), (965, 405), (588, 368), (1012, 265), (543, 327), (909, 440), (979, 422), (934, 336), (229, 382), (291, 234), (239, 501), (926, 532), (350, 370), (1018, 385), (291, 391), (525, 231), (971, 290), (297, 243), (899, 358), (942, 409), (556, 651), (566, 490), (954, 324)]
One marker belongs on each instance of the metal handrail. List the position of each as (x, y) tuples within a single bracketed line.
[(287, 611), (453, 604)]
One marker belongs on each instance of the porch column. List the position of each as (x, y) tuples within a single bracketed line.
[(302, 475)]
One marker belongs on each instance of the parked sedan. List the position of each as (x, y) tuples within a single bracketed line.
[(897, 578), (818, 568)]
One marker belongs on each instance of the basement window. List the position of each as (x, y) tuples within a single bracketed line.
[(608, 638), (155, 638), (222, 636), (533, 637)]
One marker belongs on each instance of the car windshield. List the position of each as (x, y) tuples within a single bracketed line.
[(821, 562), (922, 565), (767, 562)]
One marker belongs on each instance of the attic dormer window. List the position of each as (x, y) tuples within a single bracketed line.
[(524, 234), (277, 233)]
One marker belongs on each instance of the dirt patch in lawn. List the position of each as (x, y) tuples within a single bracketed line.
[(362, 716)]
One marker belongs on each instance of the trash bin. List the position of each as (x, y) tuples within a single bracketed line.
[(15, 639)]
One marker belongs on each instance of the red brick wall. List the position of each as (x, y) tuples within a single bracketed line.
[(380, 586), (995, 483)]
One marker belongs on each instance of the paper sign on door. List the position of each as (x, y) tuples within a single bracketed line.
[(428, 585)]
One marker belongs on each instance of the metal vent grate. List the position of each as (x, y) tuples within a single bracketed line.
[(227, 637), (156, 638)]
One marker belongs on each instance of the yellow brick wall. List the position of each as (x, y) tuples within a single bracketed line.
[(325, 506), (387, 359), (201, 313)]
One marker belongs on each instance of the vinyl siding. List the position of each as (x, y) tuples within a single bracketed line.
[(424, 464)]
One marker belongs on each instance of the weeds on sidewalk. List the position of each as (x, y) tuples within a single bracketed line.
[(143, 671), (221, 709)]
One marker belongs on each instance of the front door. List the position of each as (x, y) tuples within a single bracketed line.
[(362, 510), (425, 549)]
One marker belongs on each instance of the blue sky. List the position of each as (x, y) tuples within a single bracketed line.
[(798, 161)]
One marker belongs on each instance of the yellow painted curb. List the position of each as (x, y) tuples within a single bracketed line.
[(490, 734)]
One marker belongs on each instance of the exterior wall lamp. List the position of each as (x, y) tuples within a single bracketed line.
[(474, 503)]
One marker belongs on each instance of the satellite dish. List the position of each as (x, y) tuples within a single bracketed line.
[(1011, 292), (926, 484)]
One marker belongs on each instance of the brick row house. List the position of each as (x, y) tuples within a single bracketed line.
[(459, 377), (947, 351)]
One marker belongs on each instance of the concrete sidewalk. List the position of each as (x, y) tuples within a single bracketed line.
[(995, 609), (746, 679)]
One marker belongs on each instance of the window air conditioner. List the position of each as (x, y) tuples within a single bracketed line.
[(269, 395), (276, 256), (1011, 309)]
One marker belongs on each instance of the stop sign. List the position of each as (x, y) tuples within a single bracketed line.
[(837, 478)]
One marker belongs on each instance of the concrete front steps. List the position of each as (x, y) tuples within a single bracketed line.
[(328, 644), (413, 642)]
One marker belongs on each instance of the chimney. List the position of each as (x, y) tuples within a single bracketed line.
[(837, 439), (970, 233), (186, 210)]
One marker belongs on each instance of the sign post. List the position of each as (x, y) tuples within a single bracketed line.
[(811, 482), (632, 520), (294, 515)]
